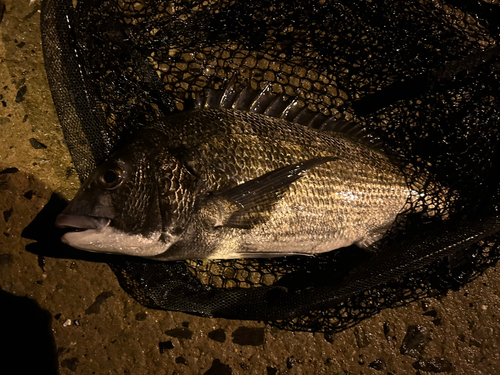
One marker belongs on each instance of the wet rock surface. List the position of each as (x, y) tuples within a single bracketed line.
[(415, 341), (249, 336), (64, 312)]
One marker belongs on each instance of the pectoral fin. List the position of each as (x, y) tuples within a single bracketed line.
[(252, 201)]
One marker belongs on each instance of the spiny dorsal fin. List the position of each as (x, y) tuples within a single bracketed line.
[(265, 102)]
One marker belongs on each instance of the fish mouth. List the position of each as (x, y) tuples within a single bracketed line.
[(78, 223)]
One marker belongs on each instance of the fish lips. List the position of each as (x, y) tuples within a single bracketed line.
[(80, 223), (96, 234)]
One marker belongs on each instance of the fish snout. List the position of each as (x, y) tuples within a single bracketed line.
[(82, 222)]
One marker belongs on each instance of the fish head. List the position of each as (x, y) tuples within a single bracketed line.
[(122, 208)]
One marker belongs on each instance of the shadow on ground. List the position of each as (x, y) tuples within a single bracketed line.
[(26, 337)]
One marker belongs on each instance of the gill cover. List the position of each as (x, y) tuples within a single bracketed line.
[(117, 210)]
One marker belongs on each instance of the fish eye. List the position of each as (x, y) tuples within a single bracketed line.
[(111, 178)]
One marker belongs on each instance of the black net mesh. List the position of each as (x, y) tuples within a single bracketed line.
[(422, 75)]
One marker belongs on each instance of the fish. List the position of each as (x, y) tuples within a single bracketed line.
[(219, 182)]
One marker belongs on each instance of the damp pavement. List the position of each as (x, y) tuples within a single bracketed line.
[(70, 316)]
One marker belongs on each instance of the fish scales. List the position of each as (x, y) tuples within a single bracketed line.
[(367, 191), (310, 191)]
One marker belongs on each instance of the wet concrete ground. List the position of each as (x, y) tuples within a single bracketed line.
[(70, 316)]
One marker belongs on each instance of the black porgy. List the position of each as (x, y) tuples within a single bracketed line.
[(223, 183)]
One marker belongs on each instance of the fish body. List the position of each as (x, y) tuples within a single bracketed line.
[(222, 183)]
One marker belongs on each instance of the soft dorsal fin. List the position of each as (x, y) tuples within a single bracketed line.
[(265, 102)]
